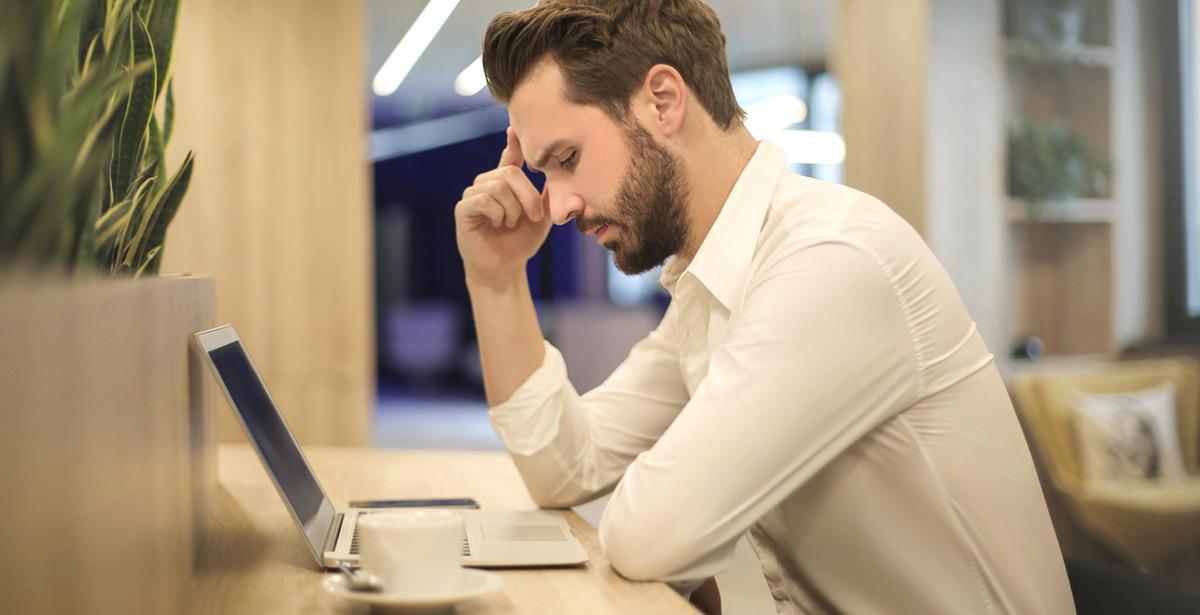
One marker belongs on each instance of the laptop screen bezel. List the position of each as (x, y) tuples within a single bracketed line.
[(322, 523)]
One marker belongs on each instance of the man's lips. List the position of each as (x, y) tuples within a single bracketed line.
[(600, 233)]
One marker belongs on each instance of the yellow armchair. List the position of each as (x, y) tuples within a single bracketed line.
[(1142, 521)]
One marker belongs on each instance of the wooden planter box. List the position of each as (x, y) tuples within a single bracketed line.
[(107, 455)]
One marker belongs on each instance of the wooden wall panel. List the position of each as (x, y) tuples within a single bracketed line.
[(1063, 278), (106, 456), (271, 96), (879, 55)]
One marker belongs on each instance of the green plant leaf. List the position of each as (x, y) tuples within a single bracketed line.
[(151, 257), (138, 109), (144, 201), (91, 26), (162, 24), (76, 77), (144, 8), (155, 154), (116, 17), (84, 258), (113, 222), (165, 213), (169, 114)]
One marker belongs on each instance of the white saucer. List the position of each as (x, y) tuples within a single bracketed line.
[(471, 583)]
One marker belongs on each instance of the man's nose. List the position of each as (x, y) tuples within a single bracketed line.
[(564, 206)]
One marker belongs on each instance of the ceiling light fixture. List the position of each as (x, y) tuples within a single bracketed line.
[(410, 48), (471, 79)]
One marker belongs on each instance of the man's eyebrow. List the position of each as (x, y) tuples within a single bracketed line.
[(541, 161)]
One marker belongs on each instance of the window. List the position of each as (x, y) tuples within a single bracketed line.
[(1181, 165)]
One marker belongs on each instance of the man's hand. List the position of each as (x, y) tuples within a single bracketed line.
[(501, 221)]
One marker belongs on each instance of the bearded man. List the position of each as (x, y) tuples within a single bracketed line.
[(815, 382)]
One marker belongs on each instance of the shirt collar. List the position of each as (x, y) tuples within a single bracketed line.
[(723, 260)]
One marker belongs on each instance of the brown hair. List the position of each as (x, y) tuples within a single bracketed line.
[(605, 47)]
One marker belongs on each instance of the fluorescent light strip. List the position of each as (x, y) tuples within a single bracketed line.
[(773, 114), (410, 48), (471, 80), (811, 146)]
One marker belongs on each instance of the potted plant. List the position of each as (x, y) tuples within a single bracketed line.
[(1056, 23), (1050, 163), (100, 399)]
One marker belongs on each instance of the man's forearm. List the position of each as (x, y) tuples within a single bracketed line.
[(510, 340)]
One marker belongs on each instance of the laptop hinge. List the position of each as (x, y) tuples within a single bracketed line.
[(335, 529)]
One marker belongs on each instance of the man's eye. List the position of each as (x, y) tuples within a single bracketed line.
[(569, 161)]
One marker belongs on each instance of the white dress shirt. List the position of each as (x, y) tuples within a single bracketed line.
[(816, 382)]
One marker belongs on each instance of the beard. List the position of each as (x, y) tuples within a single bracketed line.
[(649, 206)]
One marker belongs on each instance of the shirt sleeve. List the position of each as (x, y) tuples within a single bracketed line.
[(819, 354), (571, 448)]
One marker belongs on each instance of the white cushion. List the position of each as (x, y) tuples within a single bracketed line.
[(1129, 435)]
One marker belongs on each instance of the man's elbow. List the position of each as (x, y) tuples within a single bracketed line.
[(643, 553), (554, 500), (563, 495)]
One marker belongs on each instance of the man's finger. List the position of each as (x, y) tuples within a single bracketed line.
[(512, 154), (503, 194), (525, 192), (517, 181), (482, 205)]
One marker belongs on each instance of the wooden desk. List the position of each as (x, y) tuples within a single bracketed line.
[(252, 559)]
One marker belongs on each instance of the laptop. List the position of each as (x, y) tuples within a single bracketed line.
[(492, 538)]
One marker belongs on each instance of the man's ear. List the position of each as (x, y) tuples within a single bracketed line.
[(668, 95)]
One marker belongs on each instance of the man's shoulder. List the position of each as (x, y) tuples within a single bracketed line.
[(804, 208), (807, 212)]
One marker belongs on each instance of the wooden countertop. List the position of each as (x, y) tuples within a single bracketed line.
[(253, 560)]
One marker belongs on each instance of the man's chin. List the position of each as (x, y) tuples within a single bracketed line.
[(631, 266)]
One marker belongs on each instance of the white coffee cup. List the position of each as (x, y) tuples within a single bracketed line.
[(412, 551)]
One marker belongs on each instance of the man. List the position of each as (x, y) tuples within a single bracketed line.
[(815, 382)]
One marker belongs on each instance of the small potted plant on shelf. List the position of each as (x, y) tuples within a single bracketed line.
[(1053, 23), (1051, 163), (1044, 33)]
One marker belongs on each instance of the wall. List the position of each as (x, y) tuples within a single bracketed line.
[(925, 117), (965, 209), (1137, 214), (271, 96), (878, 56)]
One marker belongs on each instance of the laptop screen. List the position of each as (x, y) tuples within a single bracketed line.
[(276, 446)]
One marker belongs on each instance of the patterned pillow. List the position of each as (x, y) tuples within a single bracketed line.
[(1129, 435)]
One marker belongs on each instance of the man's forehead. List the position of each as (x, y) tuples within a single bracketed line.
[(539, 105), (545, 133), (544, 119)]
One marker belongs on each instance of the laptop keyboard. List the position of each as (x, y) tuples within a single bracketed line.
[(466, 546)]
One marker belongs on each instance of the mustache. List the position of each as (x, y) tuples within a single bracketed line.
[(587, 224)]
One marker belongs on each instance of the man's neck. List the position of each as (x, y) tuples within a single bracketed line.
[(713, 169)]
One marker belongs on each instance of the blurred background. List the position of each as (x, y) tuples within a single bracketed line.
[(1045, 149), (312, 151)]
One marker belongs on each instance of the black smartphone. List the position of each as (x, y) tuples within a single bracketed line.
[(426, 503)]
